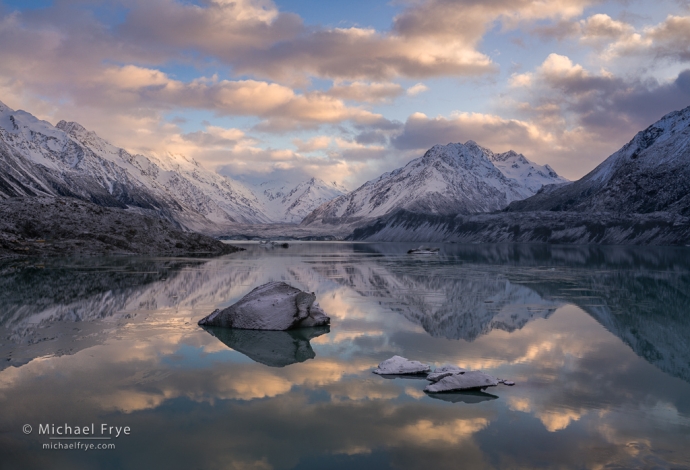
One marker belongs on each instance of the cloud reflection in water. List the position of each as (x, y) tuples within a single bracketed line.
[(593, 370)]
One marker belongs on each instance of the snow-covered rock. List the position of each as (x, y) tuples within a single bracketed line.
[(398, 365), (469, 380), (444, 371), (529, 174), (448, 179), (272, 306)]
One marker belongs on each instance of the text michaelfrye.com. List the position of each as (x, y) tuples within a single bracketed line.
[(69, 437)]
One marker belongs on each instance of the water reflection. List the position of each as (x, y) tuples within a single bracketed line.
[(593, 338), (271, 348), (470, 396)]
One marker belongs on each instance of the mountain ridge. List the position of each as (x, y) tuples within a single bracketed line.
[(638, 195), (39, 159), (447, 179), (651, 173)]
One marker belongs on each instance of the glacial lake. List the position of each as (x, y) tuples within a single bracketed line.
[(597, 340)]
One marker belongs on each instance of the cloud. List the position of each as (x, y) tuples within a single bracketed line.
[(589, 115), (256, 38), (315, 143), (367, 92), (136, 86), (560, 30), (417, 89), (135, 81), (668, 40), (563, 114), (421, 132), (428, 39), (602, 100), (603, 26), (215, 137)]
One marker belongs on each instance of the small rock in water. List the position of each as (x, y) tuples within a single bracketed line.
[(272, 306), (508, 382), (467, 381), (398, 365), (444, 371)]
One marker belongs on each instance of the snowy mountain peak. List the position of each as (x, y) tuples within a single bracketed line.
[(288, 202), (529, 174), (447, 179), (80, 133), (21, 122), (72, 128)]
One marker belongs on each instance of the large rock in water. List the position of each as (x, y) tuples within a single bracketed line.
[(467, 381), (272, 306)]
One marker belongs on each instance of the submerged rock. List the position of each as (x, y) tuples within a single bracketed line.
[(398, 365), (272, 306), (271, 348), (444, 371), (469, 380)]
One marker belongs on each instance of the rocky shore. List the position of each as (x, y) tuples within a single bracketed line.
[(48, 226)]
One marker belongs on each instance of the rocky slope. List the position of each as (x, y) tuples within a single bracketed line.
[(57, 226), (651, 173), (448, 179), (608, 228)]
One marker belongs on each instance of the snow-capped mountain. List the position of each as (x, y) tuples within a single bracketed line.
[(529, 174), (285, 202), (639, 195), (448, 179), (68, 160), (651, 173), (39, 159), (217, 198)]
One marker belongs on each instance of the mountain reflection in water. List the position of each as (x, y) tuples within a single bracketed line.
[(596, 339)]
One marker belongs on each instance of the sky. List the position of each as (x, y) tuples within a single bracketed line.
[(344, 91)]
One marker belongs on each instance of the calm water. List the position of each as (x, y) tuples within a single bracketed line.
[(597, 340)]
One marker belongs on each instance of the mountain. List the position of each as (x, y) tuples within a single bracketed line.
[(39, 159), (639, 195), (605, 228), (288, 203), (447, 179), (651, 173), (67, 160)]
